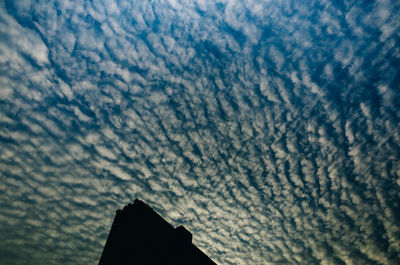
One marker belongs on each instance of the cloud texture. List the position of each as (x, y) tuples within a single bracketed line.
[(270, 129)]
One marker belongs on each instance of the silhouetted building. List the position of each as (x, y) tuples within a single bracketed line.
[(139, 236)]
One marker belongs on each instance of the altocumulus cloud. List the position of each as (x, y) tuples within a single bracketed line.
[(270, 129)]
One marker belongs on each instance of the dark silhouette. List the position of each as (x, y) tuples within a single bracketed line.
[(139, 236)]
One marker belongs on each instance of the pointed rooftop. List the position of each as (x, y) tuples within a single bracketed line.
[(139, 235)]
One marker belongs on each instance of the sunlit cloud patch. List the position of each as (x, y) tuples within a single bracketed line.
[(270, 129)]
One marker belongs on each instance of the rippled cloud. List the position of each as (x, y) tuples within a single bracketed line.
[(270, 129)]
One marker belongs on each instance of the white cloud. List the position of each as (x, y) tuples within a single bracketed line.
[(269, 152)]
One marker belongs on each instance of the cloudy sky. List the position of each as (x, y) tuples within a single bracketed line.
[(270, 129)]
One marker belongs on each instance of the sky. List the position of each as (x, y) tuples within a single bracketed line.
[(269, 129)]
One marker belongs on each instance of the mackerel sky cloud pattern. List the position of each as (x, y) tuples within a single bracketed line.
[(270, 129)]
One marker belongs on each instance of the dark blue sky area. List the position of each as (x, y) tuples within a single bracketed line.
[(270, 129)]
